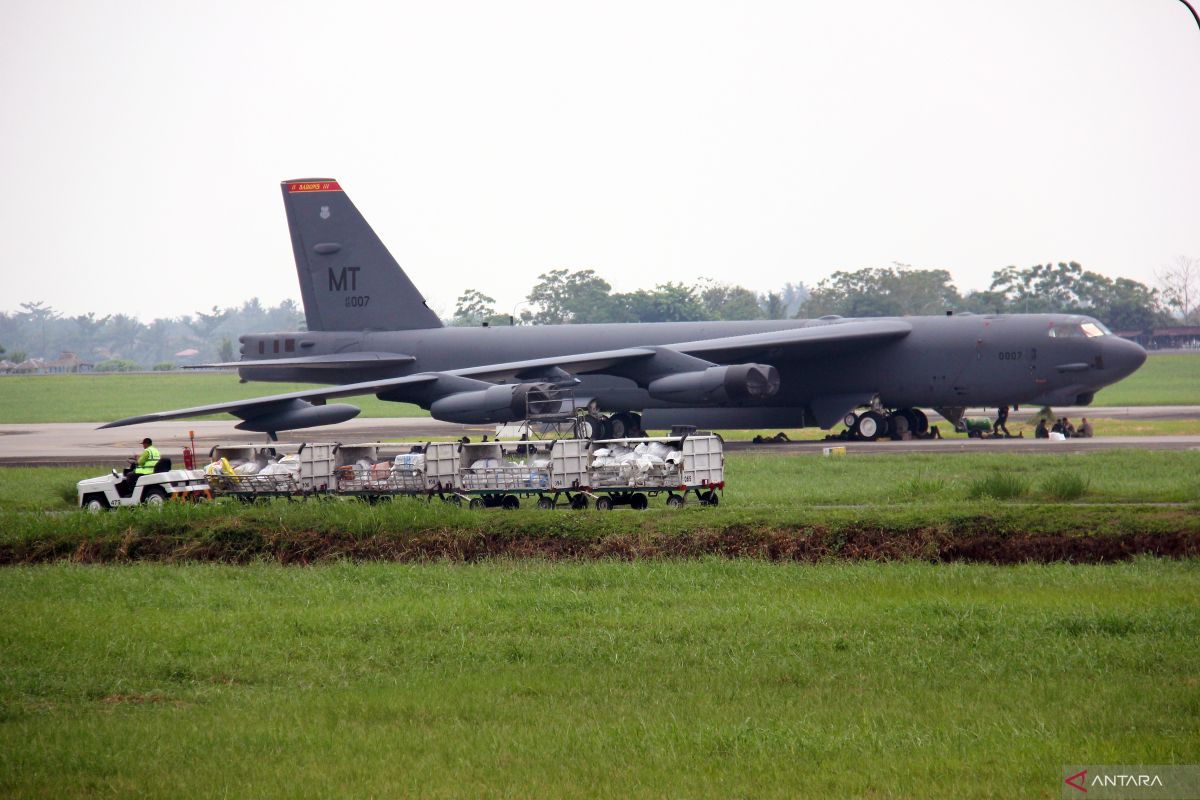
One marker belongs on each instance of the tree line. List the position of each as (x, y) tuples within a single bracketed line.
[(564, 296), (119, 342)]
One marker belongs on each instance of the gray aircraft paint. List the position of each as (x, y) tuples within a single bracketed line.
[(940, 362)]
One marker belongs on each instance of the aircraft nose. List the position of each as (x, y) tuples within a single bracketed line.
[(1122, 356)]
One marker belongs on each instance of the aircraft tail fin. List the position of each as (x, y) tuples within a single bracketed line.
[(348, 279)]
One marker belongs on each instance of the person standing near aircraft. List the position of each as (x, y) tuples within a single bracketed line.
[(1002, 422)]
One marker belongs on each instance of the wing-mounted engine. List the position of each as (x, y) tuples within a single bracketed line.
[(453, 398), (677, 377), (290, 415), (731, 384)]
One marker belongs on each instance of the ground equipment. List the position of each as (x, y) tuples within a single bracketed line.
[(154, 489)]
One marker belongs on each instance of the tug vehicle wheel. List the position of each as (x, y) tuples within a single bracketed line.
[(154, 497)]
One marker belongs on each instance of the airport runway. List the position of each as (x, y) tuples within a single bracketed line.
[(81, 443)]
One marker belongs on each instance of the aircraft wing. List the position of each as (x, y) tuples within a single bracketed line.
[(242, 407), (813, 341)]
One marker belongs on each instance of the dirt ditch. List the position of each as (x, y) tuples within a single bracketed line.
[(735, 541)]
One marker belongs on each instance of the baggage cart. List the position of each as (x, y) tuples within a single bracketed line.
[(630, 471), (500, 474), (252, 472), (376, 471)]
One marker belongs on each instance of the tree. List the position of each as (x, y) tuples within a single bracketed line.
[(474, 308), (1066, 287), (561, 296), (886, 292), (773, 305), (225, 353), (667, 302), (722, 301), (1180, 284)]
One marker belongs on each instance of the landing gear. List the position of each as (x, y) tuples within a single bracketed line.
[(910, 420), (878, 424), (615, 426), (871, 425), (624, 424)]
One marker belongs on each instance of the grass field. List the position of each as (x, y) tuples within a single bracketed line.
[(654, 679), (998, 508), (1163, 380), (105, 397)]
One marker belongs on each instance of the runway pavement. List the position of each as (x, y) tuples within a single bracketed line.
[(81, 443)]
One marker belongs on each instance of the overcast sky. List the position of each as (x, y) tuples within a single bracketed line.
[(755, 143)]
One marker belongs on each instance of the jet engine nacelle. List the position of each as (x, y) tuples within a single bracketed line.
[(296, 414), (717, 384), (504, 403)]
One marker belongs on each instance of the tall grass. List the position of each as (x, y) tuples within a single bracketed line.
[(999, 486), (1065, 486)]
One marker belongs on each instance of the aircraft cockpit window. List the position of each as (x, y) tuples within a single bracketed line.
[(1078, 330)]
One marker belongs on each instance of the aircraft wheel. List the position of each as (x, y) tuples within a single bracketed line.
[(579, 502), (602, 429), (604, 503), (903, 421), (639, 502), (871, 425), (674, 501), (850, 420), (622, 425), (545, 503), (94, 503), (476, 502), (510, 502), (154, 497), (922, 422)]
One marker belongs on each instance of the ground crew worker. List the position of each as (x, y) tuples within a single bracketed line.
[(148, 460), (144, 464), (1002, 422), (1085, 430)]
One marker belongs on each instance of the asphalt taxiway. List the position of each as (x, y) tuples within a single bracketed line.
[(82, 443)]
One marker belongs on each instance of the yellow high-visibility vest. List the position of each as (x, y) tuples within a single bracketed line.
[(147, 461)]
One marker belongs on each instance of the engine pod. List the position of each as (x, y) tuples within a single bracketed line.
[(733, 383)]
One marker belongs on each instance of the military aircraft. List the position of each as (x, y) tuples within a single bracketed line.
[(371, 332)]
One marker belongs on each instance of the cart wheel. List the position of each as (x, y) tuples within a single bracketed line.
[(604, 504), (579, 502), (510, 502), (154, 497), (674, 501), (545, 503), (638, 502), (453, 500), (710, 498), (476, 502)]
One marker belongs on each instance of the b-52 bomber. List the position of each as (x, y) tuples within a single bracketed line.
[(371, 332)]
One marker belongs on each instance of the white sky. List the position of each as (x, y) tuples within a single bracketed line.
[(757, 143)]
